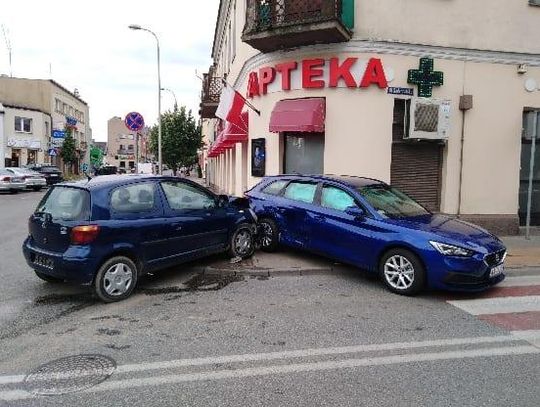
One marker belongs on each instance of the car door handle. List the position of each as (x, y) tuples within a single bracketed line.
[(177, 226)]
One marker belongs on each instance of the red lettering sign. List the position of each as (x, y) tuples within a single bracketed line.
[(342, 71), (374, 74), (266, 76), (253, 85), (310, 70), (285, 70)]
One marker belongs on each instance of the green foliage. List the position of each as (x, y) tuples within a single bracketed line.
[(68, 153), (180, 138)]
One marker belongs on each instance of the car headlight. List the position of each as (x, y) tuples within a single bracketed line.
[(451, 250)]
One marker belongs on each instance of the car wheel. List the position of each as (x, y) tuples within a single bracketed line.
[(116, 279), (242, 242), (36, 188), (402, 272), (47, 278), (13, 191), (268, 235)]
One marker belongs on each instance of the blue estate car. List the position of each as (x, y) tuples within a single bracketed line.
[(110, 230), (369, 224)]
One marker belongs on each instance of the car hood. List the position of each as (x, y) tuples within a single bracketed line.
[(454, 231)]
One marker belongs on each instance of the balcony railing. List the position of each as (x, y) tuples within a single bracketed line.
[(278, 24), (211, 92)]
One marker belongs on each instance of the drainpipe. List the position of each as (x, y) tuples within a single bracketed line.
[(465, 103), (2, 141)]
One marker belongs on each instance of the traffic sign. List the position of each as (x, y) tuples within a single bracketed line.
[(52, 152), (134, 121)]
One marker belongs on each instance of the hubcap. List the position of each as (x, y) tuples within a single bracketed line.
[(399, 272), (118, 279), (242, 242), (266, 239)]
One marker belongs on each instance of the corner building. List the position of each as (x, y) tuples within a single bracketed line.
[(440, 99)]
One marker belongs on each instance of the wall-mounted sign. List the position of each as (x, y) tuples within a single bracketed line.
[(318, 73), (425, 77), (71, 121), (401, 91), (59, 134), (258, 157), (57, 142), (24, 143)]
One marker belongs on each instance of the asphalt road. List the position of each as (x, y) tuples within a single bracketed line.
[(337, 339)]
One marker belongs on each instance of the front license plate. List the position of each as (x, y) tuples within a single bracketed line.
[(497, 270), (44, 261)]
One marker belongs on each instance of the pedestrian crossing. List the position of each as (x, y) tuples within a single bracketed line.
[(512, 305)]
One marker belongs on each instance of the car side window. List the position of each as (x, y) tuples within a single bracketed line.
[(274, 188), (133, 198), (336, 198), (181, 196), (301, 191)]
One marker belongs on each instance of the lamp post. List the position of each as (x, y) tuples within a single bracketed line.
[(160, 158), (175, 101)]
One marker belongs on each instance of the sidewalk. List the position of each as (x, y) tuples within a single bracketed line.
[(522, 252)]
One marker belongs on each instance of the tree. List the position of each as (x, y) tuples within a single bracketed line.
[(68, 153), (180, 138)]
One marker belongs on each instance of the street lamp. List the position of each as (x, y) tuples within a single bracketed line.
[(175, 101), (160, 158)]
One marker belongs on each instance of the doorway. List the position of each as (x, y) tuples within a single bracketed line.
[(529, 181)]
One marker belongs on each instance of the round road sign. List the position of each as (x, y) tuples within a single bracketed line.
[(134, 121)]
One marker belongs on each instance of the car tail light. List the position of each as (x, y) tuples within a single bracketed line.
[(84, 234), (5, 179)]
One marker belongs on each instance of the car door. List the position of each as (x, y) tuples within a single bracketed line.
[(291, 212), (197, 224), (337, 234)]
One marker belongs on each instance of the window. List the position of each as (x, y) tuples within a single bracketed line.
[(131, 147), (23, 124), (66, 204), (274, 188), (335, 198), (58, 105), (182, 196), (301, 191), (47, 132), (133, 198)]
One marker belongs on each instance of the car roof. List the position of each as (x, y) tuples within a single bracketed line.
[(346, 180), (116, 180)]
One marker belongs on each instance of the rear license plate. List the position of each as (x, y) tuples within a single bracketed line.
[(44, 261), (497, 270)]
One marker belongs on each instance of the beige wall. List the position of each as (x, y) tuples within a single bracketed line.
[(118, 134)]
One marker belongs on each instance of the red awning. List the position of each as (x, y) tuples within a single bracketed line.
[(236, 132), (298, 115)]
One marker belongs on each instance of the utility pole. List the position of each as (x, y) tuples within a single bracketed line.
[(8, 46)]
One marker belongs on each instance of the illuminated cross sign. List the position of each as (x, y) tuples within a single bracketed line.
[(425, 77)]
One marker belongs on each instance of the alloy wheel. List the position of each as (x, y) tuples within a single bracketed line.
[(399, 272), (242, 242)]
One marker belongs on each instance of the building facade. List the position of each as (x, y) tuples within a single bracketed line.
[(122, 149), (441, 99), (24, 134), (63, 107)]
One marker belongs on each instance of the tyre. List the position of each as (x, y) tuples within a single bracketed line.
[(36, 188), (13, 191), (242, 242), (402, 272), (268, 235), (116, 279), (47, 278)]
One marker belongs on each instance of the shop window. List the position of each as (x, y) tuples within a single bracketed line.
[(23, 124), (301, 191), (304, 153)]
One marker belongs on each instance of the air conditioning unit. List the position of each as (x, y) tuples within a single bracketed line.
[(429, 119)]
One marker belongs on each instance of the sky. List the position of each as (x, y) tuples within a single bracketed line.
[(87, 45)]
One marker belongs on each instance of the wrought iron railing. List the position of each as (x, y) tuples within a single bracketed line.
[(212, 87), (264, 15)]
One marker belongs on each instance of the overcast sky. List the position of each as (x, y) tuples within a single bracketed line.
[(89, 47)]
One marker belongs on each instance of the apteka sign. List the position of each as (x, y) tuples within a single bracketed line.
[(317, 73)]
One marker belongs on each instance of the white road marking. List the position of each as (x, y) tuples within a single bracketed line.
[(520, 281), (294, 368), (291, 354), (501, 305)]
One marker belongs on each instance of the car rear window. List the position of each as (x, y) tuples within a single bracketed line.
[(66, 203), (274, 188)]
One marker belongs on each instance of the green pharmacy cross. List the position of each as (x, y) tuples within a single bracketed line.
[(425, 77)]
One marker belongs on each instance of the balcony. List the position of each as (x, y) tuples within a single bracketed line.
[(278, 24), (210, 95)]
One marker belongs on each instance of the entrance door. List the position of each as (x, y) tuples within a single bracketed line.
[(530, 148), (304, 153)]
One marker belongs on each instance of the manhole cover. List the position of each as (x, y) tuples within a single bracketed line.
[(69, 374)]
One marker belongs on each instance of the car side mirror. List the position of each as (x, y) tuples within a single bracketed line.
[(223, 200), (355, 212)]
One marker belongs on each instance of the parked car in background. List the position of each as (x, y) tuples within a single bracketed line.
[(32, 179), (10, 182), (107, 170), (52, 174), (110, 230), (371, 225)]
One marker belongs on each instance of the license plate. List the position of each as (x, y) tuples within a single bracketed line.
[(497, 270), (43, 261)]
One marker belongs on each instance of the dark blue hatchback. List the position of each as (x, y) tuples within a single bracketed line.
[(110, 230), (369, 224)]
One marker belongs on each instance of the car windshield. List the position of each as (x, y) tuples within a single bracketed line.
[(66, 204), (391, 202)]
